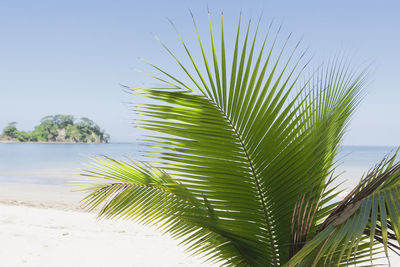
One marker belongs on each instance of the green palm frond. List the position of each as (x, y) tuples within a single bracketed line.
[(149, 196), (239, 163), (368, 215)]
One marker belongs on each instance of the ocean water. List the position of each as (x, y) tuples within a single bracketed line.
[(59, 164), (55, 164), (353, 162)]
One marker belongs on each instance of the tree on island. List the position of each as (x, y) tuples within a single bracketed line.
[(10, 130), (245, 160), (59, 128)]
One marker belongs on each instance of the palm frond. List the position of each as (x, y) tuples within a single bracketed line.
[(149, 196), (369, 212), (238, 163)]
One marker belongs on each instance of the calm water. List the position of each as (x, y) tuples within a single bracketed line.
[(58, 164), (54, 164)]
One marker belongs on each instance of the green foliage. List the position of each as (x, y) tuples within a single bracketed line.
[(244, 161), (52, 129), (10, 131), (22, 136)]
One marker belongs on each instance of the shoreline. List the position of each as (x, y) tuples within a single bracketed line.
[(50, 142), (42, 196)]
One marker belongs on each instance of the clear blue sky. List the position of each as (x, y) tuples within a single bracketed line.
[(69, 57)]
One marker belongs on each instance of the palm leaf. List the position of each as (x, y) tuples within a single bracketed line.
[(149, 196), (370, 212), (239, 169)]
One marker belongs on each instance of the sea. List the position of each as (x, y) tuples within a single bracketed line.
[(61, 164)]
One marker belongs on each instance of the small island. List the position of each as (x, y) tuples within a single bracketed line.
[(57, 129)]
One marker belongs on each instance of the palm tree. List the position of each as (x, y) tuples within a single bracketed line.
[(242, 159)]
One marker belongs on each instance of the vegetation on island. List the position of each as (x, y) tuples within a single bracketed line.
[(245, 161), (58, 128)]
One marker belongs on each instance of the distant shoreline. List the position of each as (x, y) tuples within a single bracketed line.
[(2, 141), (59, 128), (51, 142)]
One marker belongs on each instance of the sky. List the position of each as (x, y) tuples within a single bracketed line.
[(71, 57)]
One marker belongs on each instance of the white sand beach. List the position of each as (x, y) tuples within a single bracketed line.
[(44, 226)]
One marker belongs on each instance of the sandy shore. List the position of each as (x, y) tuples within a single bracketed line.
[(42, 196), (44, 226)]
